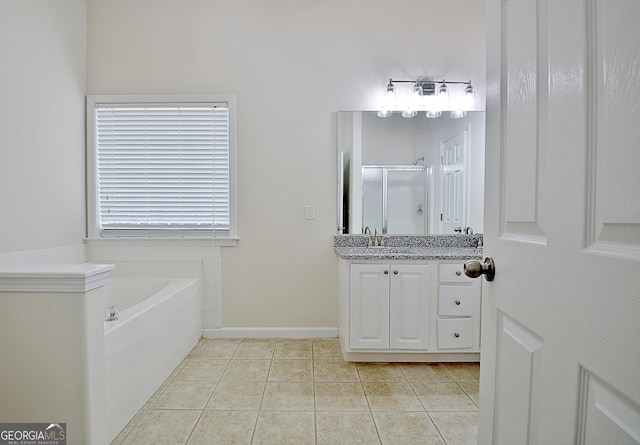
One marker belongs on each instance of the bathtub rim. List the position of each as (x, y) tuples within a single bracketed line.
[(172, 286)]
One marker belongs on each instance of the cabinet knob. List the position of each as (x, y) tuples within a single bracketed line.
[(457, 302), (395, 272), (386, 272), (458, 273), (456, 335)]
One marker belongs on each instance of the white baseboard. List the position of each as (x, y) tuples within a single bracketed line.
[(270, 333)]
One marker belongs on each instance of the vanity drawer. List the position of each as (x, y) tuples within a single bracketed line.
[(452, 273), (455, 333), (455, 301)]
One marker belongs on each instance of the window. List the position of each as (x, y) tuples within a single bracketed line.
[(161, 166)]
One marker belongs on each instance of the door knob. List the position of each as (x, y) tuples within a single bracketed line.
[(473, 269)]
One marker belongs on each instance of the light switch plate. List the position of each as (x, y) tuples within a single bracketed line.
[(310, 212)]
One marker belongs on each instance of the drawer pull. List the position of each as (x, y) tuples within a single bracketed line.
[(456, 335), (457, 302), (395, 272), (458, 273), (386, 272)]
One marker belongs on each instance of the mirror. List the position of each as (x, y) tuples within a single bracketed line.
[(411, 176)]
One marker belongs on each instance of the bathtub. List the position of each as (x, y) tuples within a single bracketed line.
[(159, 322)]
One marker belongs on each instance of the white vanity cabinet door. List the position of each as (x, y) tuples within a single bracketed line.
[(409, 306), (369, 306), (389, 306)]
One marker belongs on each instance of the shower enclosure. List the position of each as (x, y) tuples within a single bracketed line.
[(394, 199)]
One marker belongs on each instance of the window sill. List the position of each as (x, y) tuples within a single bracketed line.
[(140, 241)]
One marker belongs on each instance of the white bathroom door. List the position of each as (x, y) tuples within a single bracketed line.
[(453, 160), (560, 360)]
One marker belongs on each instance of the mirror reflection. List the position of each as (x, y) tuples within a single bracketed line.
[(410, 176), (394, 197)]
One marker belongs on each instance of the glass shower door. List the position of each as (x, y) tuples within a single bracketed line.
[(405, 202), (372, 192), (395, 199)]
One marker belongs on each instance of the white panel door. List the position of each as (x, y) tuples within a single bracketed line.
[(369, 306), (560, 359), (453, 212), (409, 302)]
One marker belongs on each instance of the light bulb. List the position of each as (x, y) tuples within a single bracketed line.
[(457, 114), (469, 98), (432, 114), (390, 94), (388, 101), (415, 102), (443, 96)]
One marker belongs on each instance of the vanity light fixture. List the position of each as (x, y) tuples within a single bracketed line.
[(433, 97)]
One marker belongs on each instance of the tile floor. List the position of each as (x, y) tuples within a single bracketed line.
[(284, 391)]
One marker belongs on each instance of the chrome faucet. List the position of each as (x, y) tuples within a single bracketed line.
[(367, 231), (378, 241)]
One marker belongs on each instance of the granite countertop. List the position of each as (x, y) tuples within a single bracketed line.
[(409, 253), (399, 247)]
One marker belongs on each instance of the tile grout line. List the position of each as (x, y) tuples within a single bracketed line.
[(436, 427), (313, 390), (264, 390), (428, 413), (219, 379), (373, 420)]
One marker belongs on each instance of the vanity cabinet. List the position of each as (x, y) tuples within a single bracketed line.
[(389, 306), (458, 296), (408, 311)]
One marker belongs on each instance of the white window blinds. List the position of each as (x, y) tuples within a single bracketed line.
[(162, 169)]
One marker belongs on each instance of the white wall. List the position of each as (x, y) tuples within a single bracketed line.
[(292, 64), (388, 141), (42, 86)]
